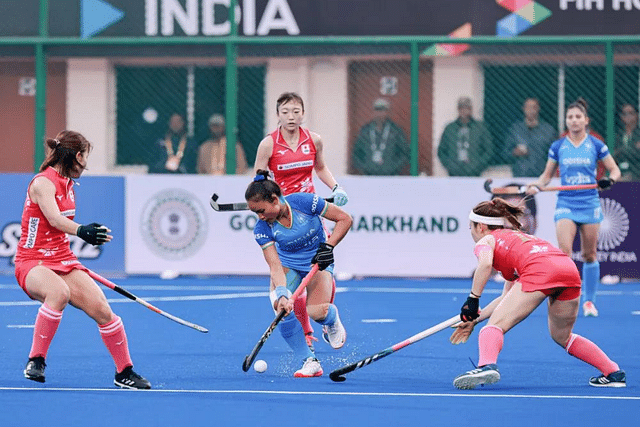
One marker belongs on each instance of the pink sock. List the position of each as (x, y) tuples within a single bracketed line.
[(47, 322), (490, 342), (587, 351), (300, 308), (115, 339)]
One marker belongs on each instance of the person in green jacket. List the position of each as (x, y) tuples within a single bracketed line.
[(465, 146)]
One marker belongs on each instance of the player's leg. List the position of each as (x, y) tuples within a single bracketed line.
[(562, 316), (323, 311), (590, 267), (514, 307), (47, 287), (566, 231), (292, 332), (88, 297)]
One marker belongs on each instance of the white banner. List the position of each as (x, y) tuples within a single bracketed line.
[(403, 226)]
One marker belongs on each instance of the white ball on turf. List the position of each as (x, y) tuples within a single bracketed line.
[(260, 366)]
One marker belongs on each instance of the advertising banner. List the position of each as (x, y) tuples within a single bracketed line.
[(98, 199)]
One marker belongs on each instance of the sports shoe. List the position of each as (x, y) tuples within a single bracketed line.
[(311, 368), (129, 379), (487, 374), (310, 339), (35, 369), (589, 309), (614, 379), (335, 335)]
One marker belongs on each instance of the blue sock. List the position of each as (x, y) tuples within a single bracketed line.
[(292, 332), (590, 280), (332, 315)]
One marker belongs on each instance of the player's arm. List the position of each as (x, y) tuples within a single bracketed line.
[(43, 193), (343, 223), (484, 252), (545, 178), (263, 154), (278, 280), (614, 172), (338, 194)]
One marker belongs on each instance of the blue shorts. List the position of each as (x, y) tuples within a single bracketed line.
[(294, 277), (579, 215)]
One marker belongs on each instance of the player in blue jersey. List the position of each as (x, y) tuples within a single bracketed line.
[(577, 155), (290, 232)]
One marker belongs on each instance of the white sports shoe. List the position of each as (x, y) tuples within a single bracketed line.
[(589, 309), (335, 334), (311, 368)]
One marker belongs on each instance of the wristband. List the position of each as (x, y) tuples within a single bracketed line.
[(335, 186), (281, 291)]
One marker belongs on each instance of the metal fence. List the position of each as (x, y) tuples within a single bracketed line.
[(402, 96)]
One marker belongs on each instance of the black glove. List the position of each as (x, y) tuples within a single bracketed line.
[(324, 256), (470, 310), (605, 183), (94, 233)]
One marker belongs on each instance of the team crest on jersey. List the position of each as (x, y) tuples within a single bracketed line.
[(305, 149)]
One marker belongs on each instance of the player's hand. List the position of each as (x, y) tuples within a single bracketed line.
[(470, 309), (605, 183), (94, 234), (323, 256), (285, 304), (339, 196), (532, 190), (462, 332)]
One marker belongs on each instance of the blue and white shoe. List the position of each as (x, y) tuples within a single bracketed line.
[(487, 374), (614, 379)]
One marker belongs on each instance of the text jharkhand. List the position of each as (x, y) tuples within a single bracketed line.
[(410, 224)]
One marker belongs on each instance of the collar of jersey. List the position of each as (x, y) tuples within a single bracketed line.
[(282, 199)]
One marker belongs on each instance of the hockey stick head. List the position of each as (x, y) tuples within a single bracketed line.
[(246, 364), (487, 186), (337, 378), (214, 202)]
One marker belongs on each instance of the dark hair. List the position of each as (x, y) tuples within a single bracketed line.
[(289, 96), (581, 104), (262, 188), (62, 151), (500, 208)]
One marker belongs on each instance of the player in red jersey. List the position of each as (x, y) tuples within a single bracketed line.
[(48, 271), (292, 153), (534, 271)]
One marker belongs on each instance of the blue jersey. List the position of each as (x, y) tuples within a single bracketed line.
[(578, 166), (297, 244)]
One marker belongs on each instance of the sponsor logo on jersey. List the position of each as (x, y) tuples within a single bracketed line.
[(305, 149), (32, 232), (174, 224), (295, 165)]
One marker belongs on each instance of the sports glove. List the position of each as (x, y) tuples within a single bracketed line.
[(339, 196), (605, 183), (323, 256), (94, 233), (470, 310)]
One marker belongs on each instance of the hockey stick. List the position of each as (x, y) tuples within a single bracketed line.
[(231, 207), (129, 295), (512, 189), (338, 374), (248, 360)]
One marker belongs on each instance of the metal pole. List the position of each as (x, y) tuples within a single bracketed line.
[(40, 119), (415, 93), (231, 86), (610, 96)]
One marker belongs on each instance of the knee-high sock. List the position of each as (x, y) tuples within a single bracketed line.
[(300, 308), (115, 338), (490, 342), (332, 315), (587, 351), (590, 280), (47, 322), (292, 333)]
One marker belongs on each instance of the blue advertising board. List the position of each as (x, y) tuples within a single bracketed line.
[(98, 199)]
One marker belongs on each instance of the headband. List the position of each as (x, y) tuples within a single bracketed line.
[(489, 220)]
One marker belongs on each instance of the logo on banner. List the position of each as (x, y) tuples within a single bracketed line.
[(174, 224), (614, 227)]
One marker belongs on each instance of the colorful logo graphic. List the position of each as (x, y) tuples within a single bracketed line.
[(524, 15)]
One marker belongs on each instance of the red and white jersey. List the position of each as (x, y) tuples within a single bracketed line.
[(534, 262), (292, 169), (39, 240)]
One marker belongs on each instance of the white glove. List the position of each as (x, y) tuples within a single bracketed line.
[(339, 196)]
